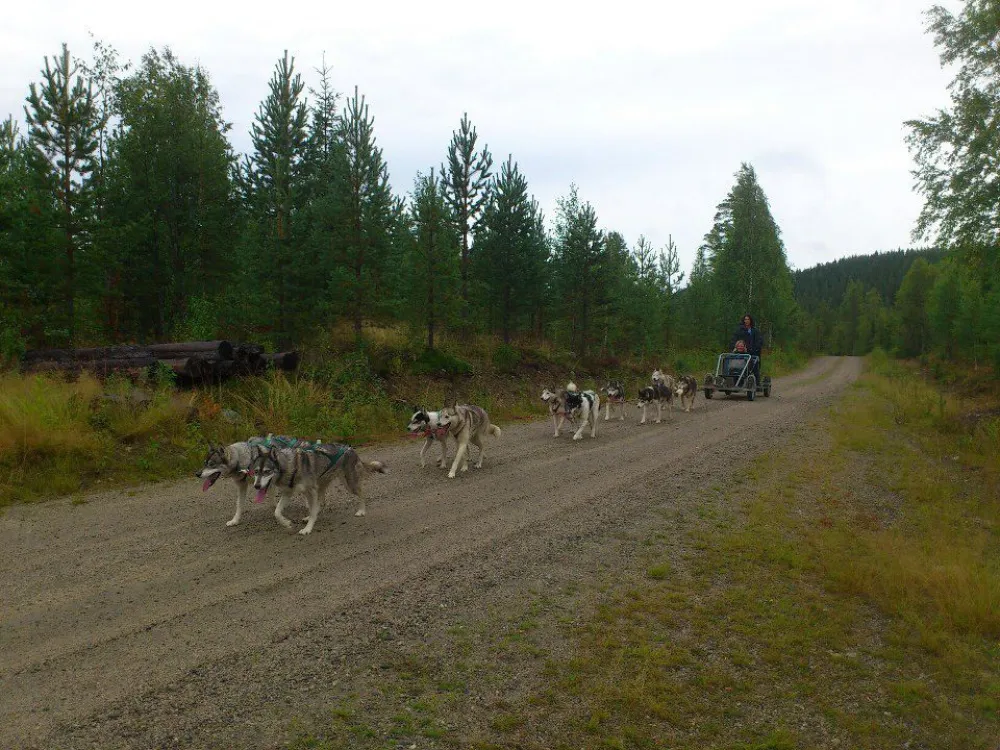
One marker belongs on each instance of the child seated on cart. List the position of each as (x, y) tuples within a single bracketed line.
[(733, 366)]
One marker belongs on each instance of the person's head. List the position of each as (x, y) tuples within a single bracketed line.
[(741, 346), (747, 321)]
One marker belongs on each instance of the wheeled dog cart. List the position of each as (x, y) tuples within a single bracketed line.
[(734, 373)]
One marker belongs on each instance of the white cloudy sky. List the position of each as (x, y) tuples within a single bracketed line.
[(649, 107)]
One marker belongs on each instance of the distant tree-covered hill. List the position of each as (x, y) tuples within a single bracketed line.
[(883, 272)]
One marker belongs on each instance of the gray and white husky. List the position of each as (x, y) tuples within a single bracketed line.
[(660, 392), (467, 424), (233, 462), (423, 424), (309, 471), (685, 389), (615, 392), (577, 406), (556, 400)]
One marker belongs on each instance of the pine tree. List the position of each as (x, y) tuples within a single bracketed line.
[(434, 264), (62, 130), (466, 188), (170, 165), (369, 210), (510, 257), (577, 259), (278, 134)]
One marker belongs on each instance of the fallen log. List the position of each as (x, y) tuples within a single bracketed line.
[(122, 351), (194, 369), (181, 349), (96, 366), (286, 361)]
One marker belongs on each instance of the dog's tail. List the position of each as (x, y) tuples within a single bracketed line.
[(494, 430), (375, 467)]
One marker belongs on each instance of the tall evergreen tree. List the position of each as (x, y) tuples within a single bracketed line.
[(510, 254), (369, 211), (62, 130), (466, 185), (169, 192), (30, 282), (913, 326), (279, 135), (747, 257), (578, 256), (434, 264)]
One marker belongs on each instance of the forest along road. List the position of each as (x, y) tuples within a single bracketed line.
[(138, 619)]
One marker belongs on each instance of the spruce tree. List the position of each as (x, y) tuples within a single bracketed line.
[(747, 258)]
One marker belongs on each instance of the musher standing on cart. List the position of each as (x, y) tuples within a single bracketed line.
[(751, 337)]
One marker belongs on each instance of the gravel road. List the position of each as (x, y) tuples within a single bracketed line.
[(138, 619)]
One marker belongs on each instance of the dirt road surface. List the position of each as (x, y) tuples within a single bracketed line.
[(138, 619)]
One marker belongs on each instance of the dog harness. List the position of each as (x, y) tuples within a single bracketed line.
[(316, 448)]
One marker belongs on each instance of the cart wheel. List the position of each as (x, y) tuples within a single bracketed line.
[(751, 388)]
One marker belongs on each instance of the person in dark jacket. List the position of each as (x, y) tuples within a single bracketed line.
[(752, 338)]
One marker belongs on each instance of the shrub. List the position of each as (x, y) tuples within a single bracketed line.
[(435, 362), (506, 359)]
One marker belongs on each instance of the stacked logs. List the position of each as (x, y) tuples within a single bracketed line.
[(192, 362)]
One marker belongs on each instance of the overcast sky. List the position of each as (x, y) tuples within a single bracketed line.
[(648, 107)]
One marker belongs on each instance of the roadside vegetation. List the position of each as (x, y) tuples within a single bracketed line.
[(60, 436)]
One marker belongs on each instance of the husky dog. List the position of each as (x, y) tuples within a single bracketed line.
[(660, 392), (422, 425), (556, 399), (587, 406), (467, 424), (310, 471), (661, 377), (233, 462), (685, 389), (615, 392)]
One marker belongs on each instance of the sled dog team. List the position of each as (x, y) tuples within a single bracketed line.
[(284, 466)]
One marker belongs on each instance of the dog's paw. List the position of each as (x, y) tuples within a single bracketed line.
[(578, 437), (451, 475), (285, 522), (233, 522), (305, 532)]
